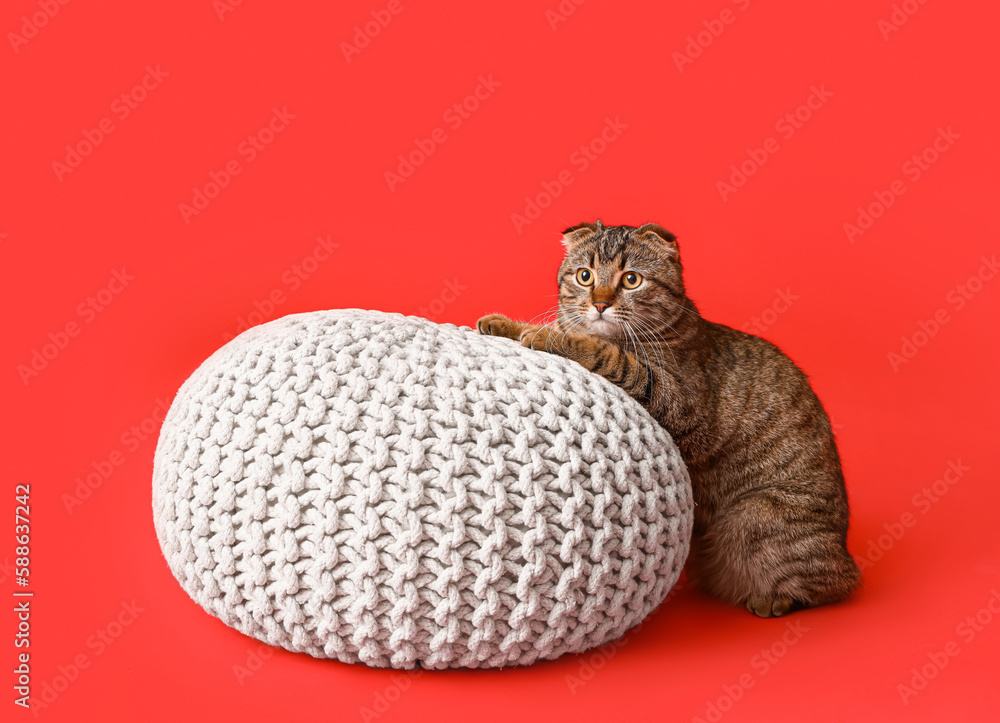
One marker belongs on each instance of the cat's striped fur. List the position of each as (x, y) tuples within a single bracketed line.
[(771, 508)]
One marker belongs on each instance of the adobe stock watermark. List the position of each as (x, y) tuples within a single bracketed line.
[(456, 115), (783, 300), (580, 159), (761, 664), (30, 25), (956, 299), (102, 469), (121, 107), (966, 631), (364, 34), (786, 126), (291, 279), (255, 659), (87, 310), (249, 149), (698, 43), (382, 701), (913, 169), (593, 661), (449, 295), (96, 645), (898, 18), (923, 501), (562, 12), (222, 7)]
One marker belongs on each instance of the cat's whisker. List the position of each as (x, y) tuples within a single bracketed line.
[(631, 334), (651, 326), (640, 338), (647, 326), (551, 311), (657, 341), (554, 309), (570, 315), (684, 308), (576, 319), (656, 352)]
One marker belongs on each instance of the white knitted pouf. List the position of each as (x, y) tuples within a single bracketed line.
[(382, 489)]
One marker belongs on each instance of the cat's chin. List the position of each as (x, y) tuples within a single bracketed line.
[(604, 327)]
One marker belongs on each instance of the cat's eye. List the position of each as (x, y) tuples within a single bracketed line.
[(631, 280), (585, 277)]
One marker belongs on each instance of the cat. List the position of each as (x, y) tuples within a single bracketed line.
[(771, 509)]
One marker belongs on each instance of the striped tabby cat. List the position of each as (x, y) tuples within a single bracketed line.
[(770, 504)]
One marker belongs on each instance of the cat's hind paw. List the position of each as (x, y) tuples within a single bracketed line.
[(770, 606)]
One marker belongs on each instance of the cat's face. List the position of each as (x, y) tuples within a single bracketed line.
[(620, 282)]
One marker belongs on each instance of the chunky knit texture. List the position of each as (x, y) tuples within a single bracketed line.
[(382, 489)]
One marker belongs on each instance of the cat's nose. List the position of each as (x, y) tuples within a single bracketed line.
[(601, 306)]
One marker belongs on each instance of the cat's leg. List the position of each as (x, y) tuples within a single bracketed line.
[(774, 555), (500, 325), (595, 354)]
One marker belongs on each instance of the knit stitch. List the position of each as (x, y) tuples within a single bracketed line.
[(382, 489)]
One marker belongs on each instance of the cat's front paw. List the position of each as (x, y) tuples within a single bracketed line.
[(500, 325), (545, 338)]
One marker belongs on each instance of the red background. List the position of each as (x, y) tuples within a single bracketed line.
[(451, 222)]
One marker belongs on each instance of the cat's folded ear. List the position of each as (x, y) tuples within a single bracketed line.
[(654, 232), (575, 234)]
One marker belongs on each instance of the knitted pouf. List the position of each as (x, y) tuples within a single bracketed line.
[(382, 489)]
